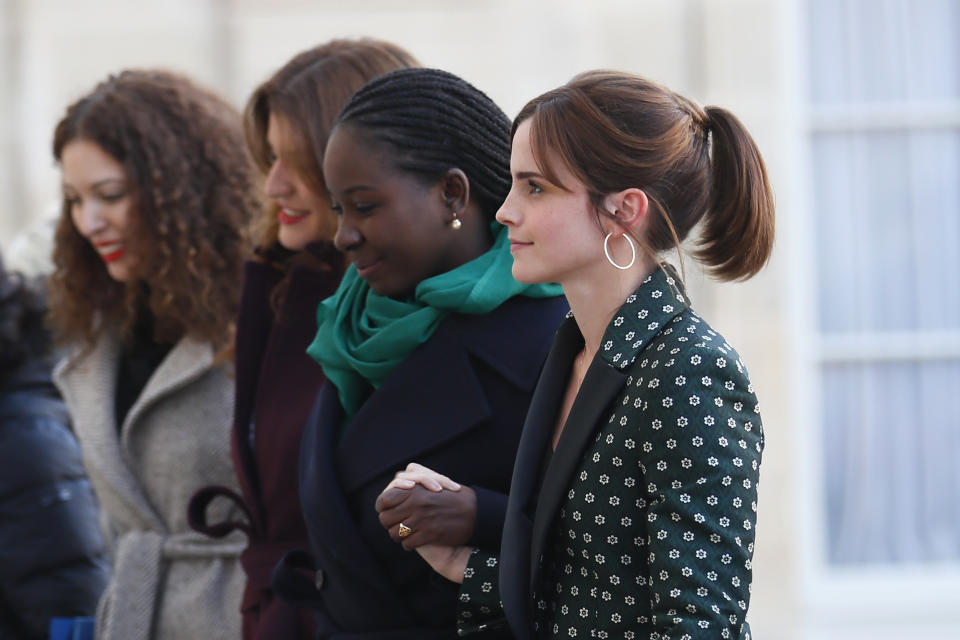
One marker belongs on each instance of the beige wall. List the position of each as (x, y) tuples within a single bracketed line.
[(731, 53)]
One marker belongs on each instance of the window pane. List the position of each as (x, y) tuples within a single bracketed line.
[(886, 211), (884, 50), (892, 439)]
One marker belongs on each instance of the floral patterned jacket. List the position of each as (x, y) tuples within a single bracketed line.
[(641, 523)]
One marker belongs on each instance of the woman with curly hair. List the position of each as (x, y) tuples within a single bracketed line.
[(157, 192), (288, 120)]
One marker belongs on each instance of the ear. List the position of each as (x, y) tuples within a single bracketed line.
[(455, 190), (631, 207)]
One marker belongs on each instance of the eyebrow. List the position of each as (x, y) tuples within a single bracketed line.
[(524, 175), (358, 188), (105, 181), (95, 185)]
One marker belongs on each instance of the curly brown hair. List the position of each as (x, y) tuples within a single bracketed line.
[(308, 93), (193, 190)]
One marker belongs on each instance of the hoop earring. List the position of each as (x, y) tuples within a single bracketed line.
[(633, 251)]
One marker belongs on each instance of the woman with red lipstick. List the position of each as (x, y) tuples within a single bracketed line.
[(288, 119), (157, 194), (429, 345)]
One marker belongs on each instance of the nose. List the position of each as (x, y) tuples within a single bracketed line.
[(347, 236), (87, 218), (278, 184), (507, 213)]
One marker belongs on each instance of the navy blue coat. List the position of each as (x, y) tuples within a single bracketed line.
[(456, 405), (53, 561)]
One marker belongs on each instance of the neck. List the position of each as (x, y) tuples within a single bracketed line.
[(595, 296)]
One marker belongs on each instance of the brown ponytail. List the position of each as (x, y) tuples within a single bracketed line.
[(616, 131), (738, 230)]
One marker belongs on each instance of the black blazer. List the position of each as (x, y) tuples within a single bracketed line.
[(457, 405), (644, 522)]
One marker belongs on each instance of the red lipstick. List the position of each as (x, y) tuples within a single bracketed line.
[(286, 218), (113, 256)]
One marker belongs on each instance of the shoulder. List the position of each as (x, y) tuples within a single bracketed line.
[(690, 383), (688, 344), (35, 428), (28, 404), (77, 359)]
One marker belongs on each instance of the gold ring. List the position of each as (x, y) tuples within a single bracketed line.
[(403, 531)]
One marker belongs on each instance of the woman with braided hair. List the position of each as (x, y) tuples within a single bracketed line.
[(430, 348), (157, 193), (633, 507)]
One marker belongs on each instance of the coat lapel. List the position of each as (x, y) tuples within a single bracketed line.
[(87, 380), (253, 330), (597, 390), (334, 532), (187, 361), (537, 430), (378, 439)]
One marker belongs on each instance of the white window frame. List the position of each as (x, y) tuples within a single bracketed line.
[(903, 601)]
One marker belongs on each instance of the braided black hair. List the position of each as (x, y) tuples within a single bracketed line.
[(434, 121)]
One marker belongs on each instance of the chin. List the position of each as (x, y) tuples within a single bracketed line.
[(525, 277), (389, 290), (119, 272), (292, 241)]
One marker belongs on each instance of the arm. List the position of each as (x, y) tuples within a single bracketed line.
[(52, 559), (479, 610), (700, 440)]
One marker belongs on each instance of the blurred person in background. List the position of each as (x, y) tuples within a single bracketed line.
[(53, 562), (430, 348), (634, 501), (28, 251), (158, 190), (288, 120)]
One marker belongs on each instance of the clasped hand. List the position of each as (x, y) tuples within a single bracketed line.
[(441, 513)]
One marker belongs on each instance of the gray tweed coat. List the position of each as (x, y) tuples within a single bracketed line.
[(168, 581)]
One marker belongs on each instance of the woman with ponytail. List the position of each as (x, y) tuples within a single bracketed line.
[(634, 494)]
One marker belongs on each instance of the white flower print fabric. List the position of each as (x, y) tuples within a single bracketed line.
[(655, 537)]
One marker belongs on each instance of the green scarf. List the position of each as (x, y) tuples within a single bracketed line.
[(363, 336)]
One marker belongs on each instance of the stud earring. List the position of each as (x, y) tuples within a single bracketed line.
[(456, 223)]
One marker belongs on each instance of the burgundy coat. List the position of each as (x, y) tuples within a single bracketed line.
[(276, 385)]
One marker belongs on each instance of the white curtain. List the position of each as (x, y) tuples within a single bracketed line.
[(886, 212)]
